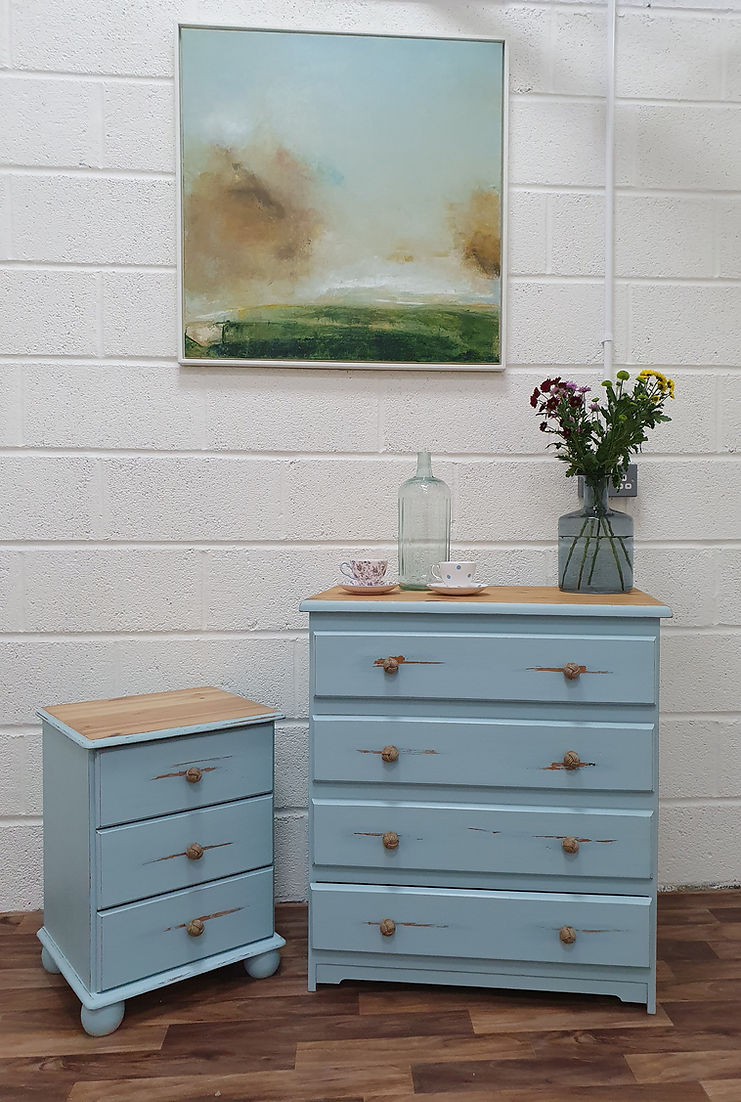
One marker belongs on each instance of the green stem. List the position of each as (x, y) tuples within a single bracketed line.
[(625, 551), (596, 550), (571, 550), (611, 537), (584, 559)]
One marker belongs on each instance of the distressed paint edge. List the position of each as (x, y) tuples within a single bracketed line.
[(628, 991), (153, 736), (94, 1000), (490, 608)]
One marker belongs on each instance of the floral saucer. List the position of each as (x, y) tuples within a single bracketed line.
[(456, 590), (375, 590)]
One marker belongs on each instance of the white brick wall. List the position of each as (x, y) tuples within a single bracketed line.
[(49, 312), (159, 525), (61, 122), (139, 311), (138, 123), (134, 219)]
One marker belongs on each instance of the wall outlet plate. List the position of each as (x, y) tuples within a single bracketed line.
[(628, 487)]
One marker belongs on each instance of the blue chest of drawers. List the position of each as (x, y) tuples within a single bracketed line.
[(483, 792), (158, 843)]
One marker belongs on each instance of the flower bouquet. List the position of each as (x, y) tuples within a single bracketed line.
[(595, 437)]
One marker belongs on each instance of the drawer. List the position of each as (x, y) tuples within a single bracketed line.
[(152, 857), (145, 779), (612, 757), (144, 938), (609, 930), (471, 666), (483, 839)]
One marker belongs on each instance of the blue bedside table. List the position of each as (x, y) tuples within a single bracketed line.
[(158, 844)]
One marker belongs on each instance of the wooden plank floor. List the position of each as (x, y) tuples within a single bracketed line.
[(227, 1036)]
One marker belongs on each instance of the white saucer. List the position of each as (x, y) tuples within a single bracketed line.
[(376, 590), (456, 590)]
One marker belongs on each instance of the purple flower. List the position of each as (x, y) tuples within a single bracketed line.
[(571, 386), (594, 406), (584, 389)]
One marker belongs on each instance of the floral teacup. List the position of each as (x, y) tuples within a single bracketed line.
[(365, 571)]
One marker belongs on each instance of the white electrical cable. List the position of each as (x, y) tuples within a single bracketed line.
[(608, 337)]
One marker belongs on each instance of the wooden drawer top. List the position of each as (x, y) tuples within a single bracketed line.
[(133, 718), (493, 600)]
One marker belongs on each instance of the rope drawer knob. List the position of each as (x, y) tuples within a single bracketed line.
[(194, 852), (567, 935), (193, 775), (571, 760), (570, 845), (388, 927), (390, 665), (195, 927), (571, 671), (390, 753), (390, 840)]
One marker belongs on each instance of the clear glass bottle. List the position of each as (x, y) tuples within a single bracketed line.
[(595, 545), (424, 524)]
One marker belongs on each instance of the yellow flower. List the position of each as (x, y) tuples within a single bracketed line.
[(663, 385)]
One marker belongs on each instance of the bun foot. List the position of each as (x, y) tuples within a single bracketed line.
[(48, 963), (105, 1020), (263, 966)]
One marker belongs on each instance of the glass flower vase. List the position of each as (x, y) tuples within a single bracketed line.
[(595, 545), (424, 524)]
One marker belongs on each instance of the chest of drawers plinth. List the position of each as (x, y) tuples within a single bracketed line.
[(158, 843), (483, 790)]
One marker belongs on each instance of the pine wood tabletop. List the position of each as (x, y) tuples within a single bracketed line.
[(179, 708), (500, 594)]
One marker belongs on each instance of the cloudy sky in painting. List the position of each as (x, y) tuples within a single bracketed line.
[(395, 132)]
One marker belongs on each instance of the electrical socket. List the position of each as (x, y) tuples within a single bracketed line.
[(628, 487)]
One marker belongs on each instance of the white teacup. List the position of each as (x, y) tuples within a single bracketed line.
[(365, 571), (454, 573)]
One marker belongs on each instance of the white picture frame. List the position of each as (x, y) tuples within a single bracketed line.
[(341, 200)]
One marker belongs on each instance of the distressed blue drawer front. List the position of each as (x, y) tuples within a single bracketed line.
[(610, 930), (151, 778), (493, 753), (143, 938), (151, 857), (482, 839), (452, 666)]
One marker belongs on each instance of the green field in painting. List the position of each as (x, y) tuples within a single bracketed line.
[(385, 334)]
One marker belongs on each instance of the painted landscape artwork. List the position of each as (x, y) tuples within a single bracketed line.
[(341, 198)]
